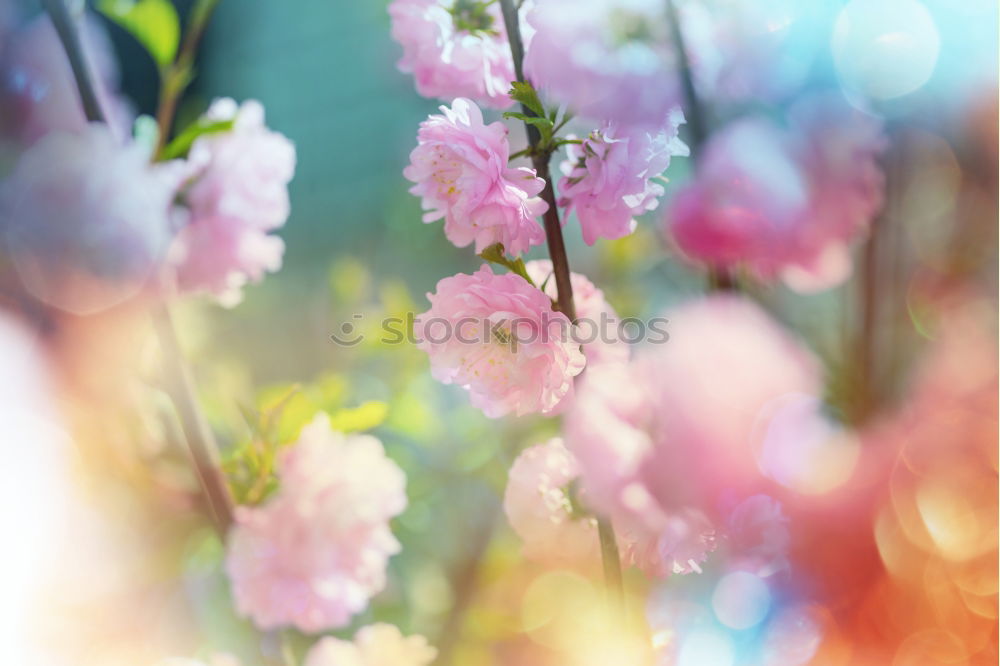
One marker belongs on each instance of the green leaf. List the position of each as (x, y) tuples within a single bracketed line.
[(154, 23), (363, 417), (525, 94), (181, 144), (495, 255), (543, 124), (544, 127)]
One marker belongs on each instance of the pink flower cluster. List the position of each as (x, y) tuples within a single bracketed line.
[(608, 179), (455, 48), (540, 510), (658, 438), (86, 218), (237, 196), (374, 645), (607, 59), (461, 174), (785, 203), (498, 337), (316, 552)]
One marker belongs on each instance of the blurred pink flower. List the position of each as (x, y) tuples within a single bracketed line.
[(679, 546), (39, 93), (239, 192), (606, 59), (538, 506), (839, 148), (785, 203), (499, 338), (86, 218), (608, 179), (658, 440), (316, 552), (461, 174), (758, 535), (596, 321), (375, 645), (455, 48), (749, 196)]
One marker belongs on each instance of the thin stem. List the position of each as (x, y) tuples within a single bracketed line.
[(868, 296), (612, 563), (719, 279), (696, 114), (540, 160), (287, 652), (201, 442), (69, 36), (465, 584), (174, 79)]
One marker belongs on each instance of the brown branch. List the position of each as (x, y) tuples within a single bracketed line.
[(65, 27), (201, 441), (696, 112), (868, 292), (719, 279)]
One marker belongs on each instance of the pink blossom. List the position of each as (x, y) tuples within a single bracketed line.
[(538, 505), (455, 48), (461, 173), (315, 552), (85, 218), (498, 337), (607, 59), (375, 645), (658, 439), (596, 321), (608, 179), (784, 202), (239, 193)]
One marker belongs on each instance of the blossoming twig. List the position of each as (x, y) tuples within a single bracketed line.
[(560, 266), (201, 442), (553, 228)]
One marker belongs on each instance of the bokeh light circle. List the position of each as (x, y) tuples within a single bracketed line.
[(792, 637), (885, 48), (802, 449), (741, 600), (707, 648)]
